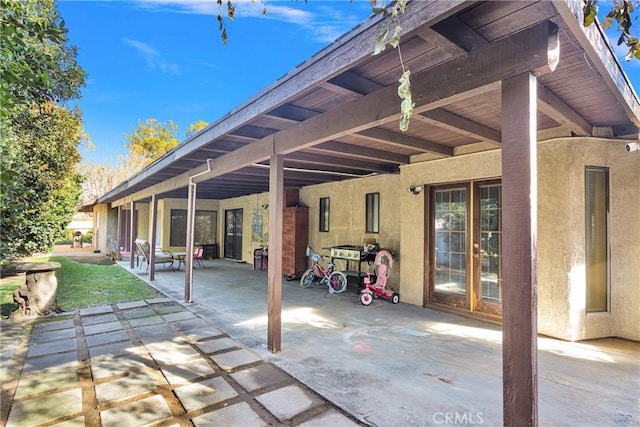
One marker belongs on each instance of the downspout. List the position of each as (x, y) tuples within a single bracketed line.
[(191, 212)]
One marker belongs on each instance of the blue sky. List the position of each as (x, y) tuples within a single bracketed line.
[(164, 59)]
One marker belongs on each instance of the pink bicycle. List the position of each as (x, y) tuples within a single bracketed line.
[(335, 280)]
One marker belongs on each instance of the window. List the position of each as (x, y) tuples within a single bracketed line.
[(597, 238), (373, 212), (204, 230), (324, 214)]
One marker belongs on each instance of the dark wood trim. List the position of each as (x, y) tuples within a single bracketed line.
[(439, 297), (478, 304), (274, 275), (519, 216)]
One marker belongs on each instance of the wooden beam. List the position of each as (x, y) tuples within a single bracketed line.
[(274, 275), (519, 265), (355, 84), (356, 151), (558, 110), (398, 139), (339, 163), (292, 113), (441, 42), (533, 49), (461, 125), (460, 34)]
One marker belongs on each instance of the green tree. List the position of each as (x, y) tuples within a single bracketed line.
[(42, 191), (152, 139), (35, 62), (39, 133)]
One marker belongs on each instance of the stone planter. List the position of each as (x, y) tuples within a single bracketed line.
[(37, 296)]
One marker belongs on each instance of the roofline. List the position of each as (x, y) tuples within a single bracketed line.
[(417, 14), (597, 47)]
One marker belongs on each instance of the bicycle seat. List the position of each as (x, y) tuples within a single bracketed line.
[(315, 257)]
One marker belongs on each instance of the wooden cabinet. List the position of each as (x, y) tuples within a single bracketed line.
[(295, 236)]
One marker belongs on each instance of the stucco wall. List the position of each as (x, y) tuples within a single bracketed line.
[(561, 224), (347, 222), (561, 244), (249, 205), (105, 225), (478, 166), (163, 237), (403, 218)]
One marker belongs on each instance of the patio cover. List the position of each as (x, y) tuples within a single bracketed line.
[(485, 75)]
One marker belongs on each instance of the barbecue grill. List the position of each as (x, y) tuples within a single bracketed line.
[(352, 254)]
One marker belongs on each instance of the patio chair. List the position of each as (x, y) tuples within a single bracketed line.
[(161, 256), (197, 257)]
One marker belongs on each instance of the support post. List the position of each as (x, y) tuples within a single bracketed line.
[(188, 267), (132, 246), (274, 292), (519, 306), (118, 233), (154, 231)]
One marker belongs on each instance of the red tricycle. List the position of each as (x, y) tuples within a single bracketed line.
[(382, 266)]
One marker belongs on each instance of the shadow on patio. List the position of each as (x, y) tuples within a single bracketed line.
[(405, 365)]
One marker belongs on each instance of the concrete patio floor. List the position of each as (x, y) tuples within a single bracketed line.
[(341, 363), (402, 365)]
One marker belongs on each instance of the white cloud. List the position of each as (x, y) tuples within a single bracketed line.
[(324, 24), (152, 57)]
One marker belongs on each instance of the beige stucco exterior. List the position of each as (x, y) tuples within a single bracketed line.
[(561, 240), (561, 225), (250, 205), (404, 222)]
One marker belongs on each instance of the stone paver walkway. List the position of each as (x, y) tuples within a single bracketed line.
[(146, 363)]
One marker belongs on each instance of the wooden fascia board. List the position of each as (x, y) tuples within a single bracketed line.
[(531, 50), (593, 40), (558, 110), (179, 181), (348, 50)]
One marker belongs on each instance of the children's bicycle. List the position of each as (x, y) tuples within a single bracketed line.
[(335, 280)]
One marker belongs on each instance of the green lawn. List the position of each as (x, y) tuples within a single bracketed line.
[(85, 285)]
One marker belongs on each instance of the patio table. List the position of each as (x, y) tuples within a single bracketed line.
[(180, 257)]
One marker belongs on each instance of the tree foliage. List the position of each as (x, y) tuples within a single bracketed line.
[(99, 179), (195, 127), (148, 142), (40, 190), (39, 134), (152, 139), (36, 65), (622, 12)]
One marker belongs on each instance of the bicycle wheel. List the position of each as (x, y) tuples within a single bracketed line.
[(338, 281), (307, 278)]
